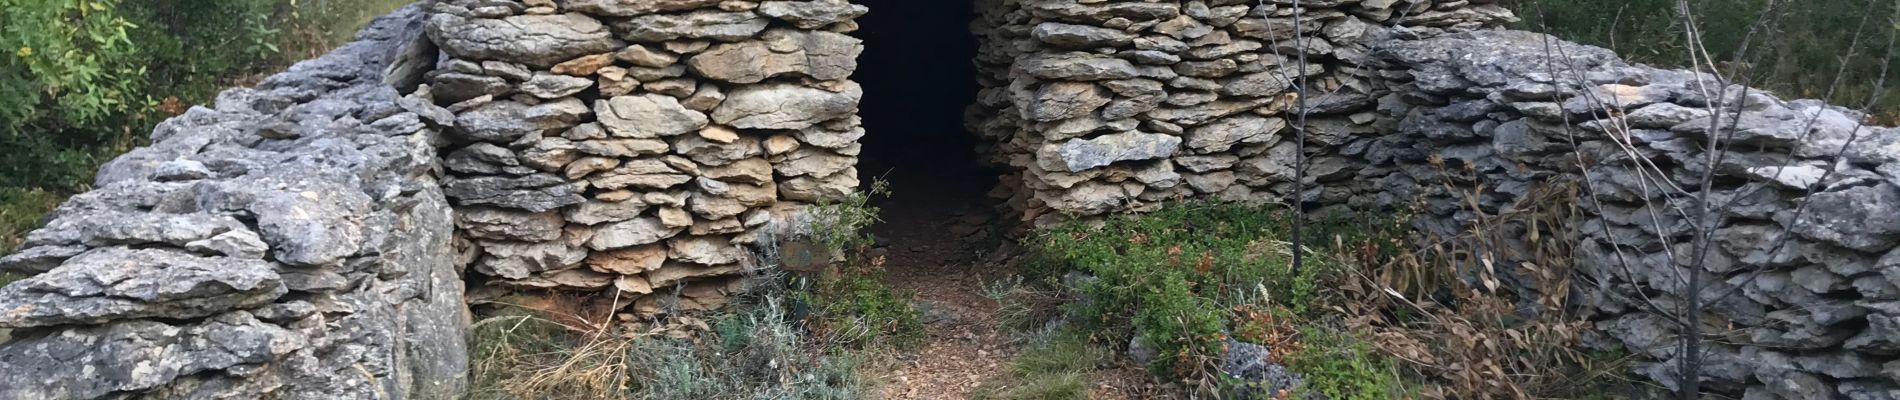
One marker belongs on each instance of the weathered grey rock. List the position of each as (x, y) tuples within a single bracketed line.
[(647, 116), (812, 14), (1253, 365), (598, 212), (628, 261), (1223, 134), (701, 24), (181, 170), (623, 148), (506, 121), (1859, 218), (38, 259), (781, 52), (785, 106), (813, 189), (1080, 36), (645, 56), (537, 40), (710, 153), (130, 228), (645, 173), (629, 8), (1089, 198), (752, 171), (1078, 66), (704, 250), (1084, 154), (332, 170), (537, 192), (550, 86), (95, 361), (504, 224), (519, 260), (455, 87), (814, 161), (550, 154), (118, 283), (1064, 100), (836, 134), (629, 233)]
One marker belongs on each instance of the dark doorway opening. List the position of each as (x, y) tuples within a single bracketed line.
[(918, 77)]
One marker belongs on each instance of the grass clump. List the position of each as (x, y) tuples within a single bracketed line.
[(1054, 367)]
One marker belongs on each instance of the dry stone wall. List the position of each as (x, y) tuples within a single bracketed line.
[(306, 238), (635, 148), (1805, 204), (1118, 106), (289, 242)]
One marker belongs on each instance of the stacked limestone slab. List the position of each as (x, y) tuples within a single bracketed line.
[(1116, 106), (635, 147), (1806, 202), (289, 242)]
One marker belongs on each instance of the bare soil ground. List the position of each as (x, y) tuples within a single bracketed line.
[(934, 232), (941, 239)]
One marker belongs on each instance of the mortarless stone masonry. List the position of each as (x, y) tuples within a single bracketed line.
[(307, 238), (635, 148)]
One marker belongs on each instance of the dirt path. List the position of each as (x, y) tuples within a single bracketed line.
[(936, 231)]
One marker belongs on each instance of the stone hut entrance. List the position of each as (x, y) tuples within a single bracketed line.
[(918, 78)]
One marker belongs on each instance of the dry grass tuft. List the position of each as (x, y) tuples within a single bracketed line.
[(1486, 339)]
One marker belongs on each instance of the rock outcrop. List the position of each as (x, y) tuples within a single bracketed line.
[(646, 162), (291, 241)]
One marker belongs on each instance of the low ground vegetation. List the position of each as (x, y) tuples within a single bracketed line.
[(791, 335), (1376, 312)]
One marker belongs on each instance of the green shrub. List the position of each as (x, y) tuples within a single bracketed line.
[(1174, 277), (849, 297), (1340, 366), (857, 307)]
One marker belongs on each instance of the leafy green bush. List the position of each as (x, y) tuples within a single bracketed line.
[(1173, 277), (849, 297)]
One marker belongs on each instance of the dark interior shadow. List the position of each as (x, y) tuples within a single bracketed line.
[(918, 77)]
